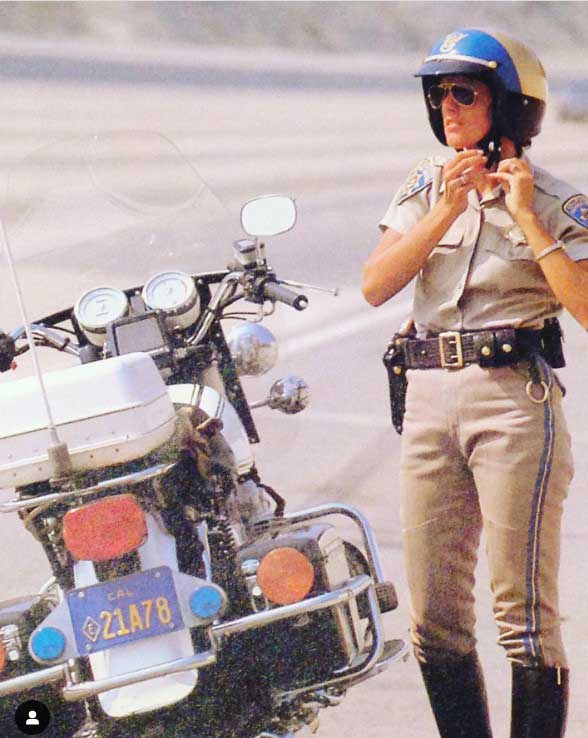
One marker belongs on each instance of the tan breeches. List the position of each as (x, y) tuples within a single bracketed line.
[(477, 454)]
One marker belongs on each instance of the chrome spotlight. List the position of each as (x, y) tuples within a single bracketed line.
[(290, 394), (253, 348)]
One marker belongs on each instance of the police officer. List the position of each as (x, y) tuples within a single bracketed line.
[(497, 247)]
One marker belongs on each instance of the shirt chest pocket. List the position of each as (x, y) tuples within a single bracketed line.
[(498, 243), (451, 239)]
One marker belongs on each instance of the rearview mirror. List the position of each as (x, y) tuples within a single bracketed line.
[(268, 215)]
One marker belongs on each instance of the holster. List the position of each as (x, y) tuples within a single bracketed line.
[(552, 339), (397, 383)]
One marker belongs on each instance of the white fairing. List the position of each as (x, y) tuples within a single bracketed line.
[(158, 550), (216, 406), (107, 412)]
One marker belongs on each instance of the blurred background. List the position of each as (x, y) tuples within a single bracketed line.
[(316, 100)]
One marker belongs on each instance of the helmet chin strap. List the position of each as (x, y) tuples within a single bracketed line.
[(491, 145)]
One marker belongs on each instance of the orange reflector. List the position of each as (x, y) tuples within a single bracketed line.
[(105, 530), (2, 657), (285, 576)]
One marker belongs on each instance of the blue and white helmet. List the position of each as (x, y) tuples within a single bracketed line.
[(511, 70)]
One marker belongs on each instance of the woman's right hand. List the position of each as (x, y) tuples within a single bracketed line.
[(460, 175)]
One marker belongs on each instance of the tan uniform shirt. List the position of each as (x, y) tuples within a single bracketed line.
[(482, 274)]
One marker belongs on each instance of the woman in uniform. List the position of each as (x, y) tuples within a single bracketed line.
[(497, 247)]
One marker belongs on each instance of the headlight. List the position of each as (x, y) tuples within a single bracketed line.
[(97, 308), (253, 348), (176, 295)]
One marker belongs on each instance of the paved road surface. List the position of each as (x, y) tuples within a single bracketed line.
[(341, 153)]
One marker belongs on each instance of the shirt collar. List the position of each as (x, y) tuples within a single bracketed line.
[(498, 191)]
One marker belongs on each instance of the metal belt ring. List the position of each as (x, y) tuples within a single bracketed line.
[(528, 390)]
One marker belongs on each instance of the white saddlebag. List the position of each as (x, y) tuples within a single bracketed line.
[(107, 412)]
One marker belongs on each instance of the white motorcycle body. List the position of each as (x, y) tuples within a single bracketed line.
[(110, 412)]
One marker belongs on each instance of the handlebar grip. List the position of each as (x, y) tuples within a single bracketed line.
[(275, 291)]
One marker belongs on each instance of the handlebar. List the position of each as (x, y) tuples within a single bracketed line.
[(275, 291)]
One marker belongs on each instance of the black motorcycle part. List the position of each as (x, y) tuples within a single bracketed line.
[(143, 332), (307, 649), (385, 591), (66, 718), (232, 699)]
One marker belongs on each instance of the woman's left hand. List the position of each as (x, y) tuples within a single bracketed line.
[(517, 178)]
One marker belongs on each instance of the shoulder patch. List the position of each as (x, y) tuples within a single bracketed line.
[(417, 180), (577, 208)]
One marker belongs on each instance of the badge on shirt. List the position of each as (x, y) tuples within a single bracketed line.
[(416, 181), (515, 235), (577, 208)]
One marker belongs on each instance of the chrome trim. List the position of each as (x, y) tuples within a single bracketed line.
[(209, 313), (73, 692), (43, 335), (383, 663), (358, 517), (127, 480), (451, 356), (202, 531), (349, 591), (83, 690), (351, 673), (34, 679), (461, 57)]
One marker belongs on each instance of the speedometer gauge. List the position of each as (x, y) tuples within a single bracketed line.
[(176, 295), (97, 308)]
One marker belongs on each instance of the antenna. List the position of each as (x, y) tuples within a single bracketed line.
[(57, 451)]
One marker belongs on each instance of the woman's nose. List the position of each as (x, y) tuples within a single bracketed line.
[(449, 104)]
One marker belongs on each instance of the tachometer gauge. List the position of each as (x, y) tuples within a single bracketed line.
[(176, 295), (97, 308)]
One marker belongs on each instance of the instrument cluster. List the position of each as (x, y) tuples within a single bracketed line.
[(173, 293)]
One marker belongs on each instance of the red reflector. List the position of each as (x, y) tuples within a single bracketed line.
[(105, 530), (2, 657), (285, 576)]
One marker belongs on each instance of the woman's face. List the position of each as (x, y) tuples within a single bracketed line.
[(465, 125)]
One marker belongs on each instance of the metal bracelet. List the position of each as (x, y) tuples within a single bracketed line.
[(550, 249)]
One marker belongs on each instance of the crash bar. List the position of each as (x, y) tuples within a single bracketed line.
[(127, 480), (83, 690), (358, 517)]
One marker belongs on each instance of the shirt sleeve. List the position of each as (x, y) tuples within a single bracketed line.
[(411, 202), (564, 213), (573, 226)]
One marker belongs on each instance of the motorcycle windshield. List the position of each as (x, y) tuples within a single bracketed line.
[(105, 210)]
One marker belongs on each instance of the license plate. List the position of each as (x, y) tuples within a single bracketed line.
[(125, 610)]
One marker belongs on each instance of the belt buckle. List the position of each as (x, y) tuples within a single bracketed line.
[(450, 350)]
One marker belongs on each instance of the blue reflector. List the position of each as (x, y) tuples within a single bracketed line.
[(48, 644), (206, 602)]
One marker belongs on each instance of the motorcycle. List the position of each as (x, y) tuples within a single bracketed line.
[(184, 597)]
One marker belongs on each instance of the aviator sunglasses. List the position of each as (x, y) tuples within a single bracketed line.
[(463, 94)]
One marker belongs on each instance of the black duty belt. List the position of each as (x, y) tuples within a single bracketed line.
[(456, 349)]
